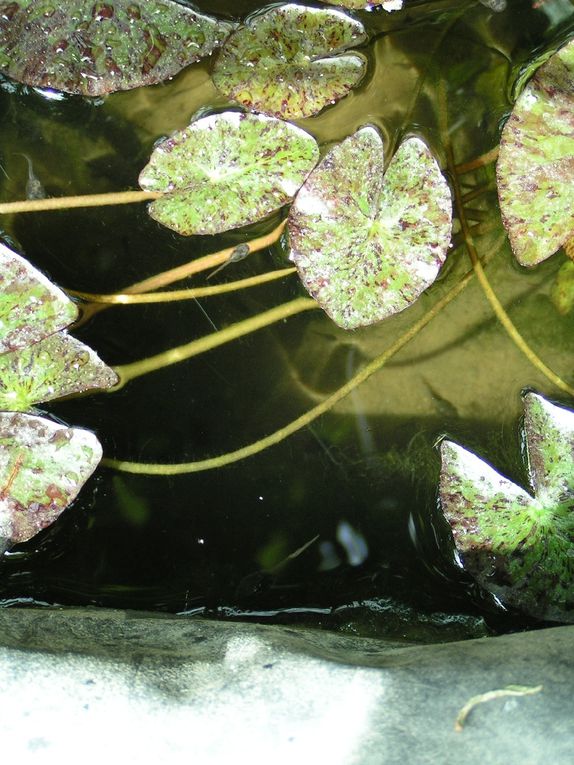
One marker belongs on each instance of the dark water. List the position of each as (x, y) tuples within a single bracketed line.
[(362, 478)]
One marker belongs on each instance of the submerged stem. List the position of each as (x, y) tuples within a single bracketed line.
[(85, 200), (300, 422), (491, 296), (124, 298), (127, 372), (172, 275)]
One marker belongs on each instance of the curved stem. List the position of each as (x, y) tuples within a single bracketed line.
[(491, 296), (474, 164), (202, 264), (124, 298), (86, 200), (190, 268), (305, 419), (127, 372)]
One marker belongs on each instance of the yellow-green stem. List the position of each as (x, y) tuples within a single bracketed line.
[(127, 372), (86, 200), (125, 298), (495, 303), (301, 422)]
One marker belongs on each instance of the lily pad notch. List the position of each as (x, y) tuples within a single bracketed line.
[(367, 243), (291, 61), (518, 544)]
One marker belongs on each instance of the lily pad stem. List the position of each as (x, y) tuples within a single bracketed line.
[(491, 296), (124, 298), (86, 200), (127, 372), (165, 278), (193, 293), (305, 419)]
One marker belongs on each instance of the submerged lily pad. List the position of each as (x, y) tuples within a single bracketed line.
[(54, 367), (31, 307), (536, 162), (227, 170), (365, 243), (289, 61), (92, 48), (43, 466), (518, 545)]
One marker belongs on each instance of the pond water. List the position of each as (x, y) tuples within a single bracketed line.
[(360, 483)]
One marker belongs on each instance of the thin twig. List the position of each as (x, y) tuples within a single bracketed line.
[(510, 690)]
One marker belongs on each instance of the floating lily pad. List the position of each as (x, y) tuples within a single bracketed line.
[(365, 243), (31, 307), (368, 5), (536, 163), (289, 61), (227, 170), (92, 48), (43, 466), (54, 367), (518, 545)]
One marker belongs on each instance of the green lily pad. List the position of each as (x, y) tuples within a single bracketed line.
[(536, 162), (92, 48), (43, 466), (31, 307), (227, 170), (365, 243), (289, 61), (54, 367), (368, 5), (518, 545)]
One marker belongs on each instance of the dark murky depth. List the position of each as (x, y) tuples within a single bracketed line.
[(362, 478)]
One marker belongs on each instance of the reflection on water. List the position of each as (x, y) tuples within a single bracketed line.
[(362, 479)]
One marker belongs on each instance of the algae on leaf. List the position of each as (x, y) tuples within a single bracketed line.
[(366, 243), (92, 48), (227, 170), (43, 466), (290, 61), (31, 307), (60, 365), (517, 545), (536, 162)]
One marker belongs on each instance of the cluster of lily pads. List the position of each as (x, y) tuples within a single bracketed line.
[(43, 464), (367, 235)]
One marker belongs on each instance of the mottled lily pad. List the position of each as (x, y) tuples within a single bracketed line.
[(518, 545), (289, 61), (227, 170), (54, 367), (31, 307), (536, 163), (92, 48), (43, 466), (368, 5), (365, 243)]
